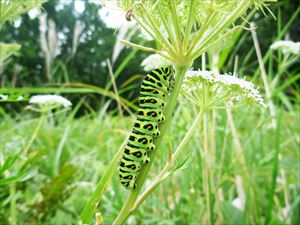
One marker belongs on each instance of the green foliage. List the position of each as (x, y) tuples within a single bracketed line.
[(87, 66), (7, 50), (181, 198), (8, 164), (11, 9), (56, 191), (232, 215)]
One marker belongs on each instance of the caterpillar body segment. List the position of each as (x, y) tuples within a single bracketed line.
[(151, 102), (151, 115), (135, 154), (165, 79), (155, 88), (146, 127), (139, 140), (152, 91)]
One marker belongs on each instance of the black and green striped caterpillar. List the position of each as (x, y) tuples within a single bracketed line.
[(155, 88)]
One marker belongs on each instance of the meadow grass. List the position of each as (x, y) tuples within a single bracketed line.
[(267, 163)]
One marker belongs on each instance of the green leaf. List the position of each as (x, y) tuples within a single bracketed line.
[(7, 50), (11, 9), (13, 179), (8, 163), (184, 164), (232, 215)]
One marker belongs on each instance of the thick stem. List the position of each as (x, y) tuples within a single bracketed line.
[(129, 204)]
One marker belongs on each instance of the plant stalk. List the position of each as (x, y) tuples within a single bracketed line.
[(166, 170), (33, 137), (90, 207)]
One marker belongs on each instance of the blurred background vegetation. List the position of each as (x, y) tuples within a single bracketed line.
[(85, 60), (73, 47)]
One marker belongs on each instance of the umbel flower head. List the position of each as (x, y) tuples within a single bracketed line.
[(44, 103), (185, 29), (210, 89), (287, 47)]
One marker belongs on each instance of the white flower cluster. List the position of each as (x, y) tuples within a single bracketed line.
[(114, 16), (50, 100), (3, 97), (287, 47), (155, 61), (228, 85), (6, 98)]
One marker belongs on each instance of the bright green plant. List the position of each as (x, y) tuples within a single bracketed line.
[(184, 31), (9, 11)]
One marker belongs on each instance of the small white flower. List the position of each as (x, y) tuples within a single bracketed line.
[(238, 203), (131, 219), (154, 61), (51, 100), (113, 15), (234, 88), (20, 98), (287, 47), (34, 13), (3, 97)]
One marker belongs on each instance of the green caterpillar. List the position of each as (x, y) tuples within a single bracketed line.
[(154, 90)]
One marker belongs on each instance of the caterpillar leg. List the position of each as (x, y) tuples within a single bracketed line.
[(147, 160)]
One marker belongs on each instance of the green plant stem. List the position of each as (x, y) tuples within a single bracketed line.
[(152, 32), (13, 187), (279, 36), (121, 67), (166, 170), (129, 204), (264, 78), (13, 205), (188, 27), (140, 47), (111, 73), (90, 207), (34, 135), (176, 25), (275, 170), (166, 24), (196, 51), (155, 27)]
